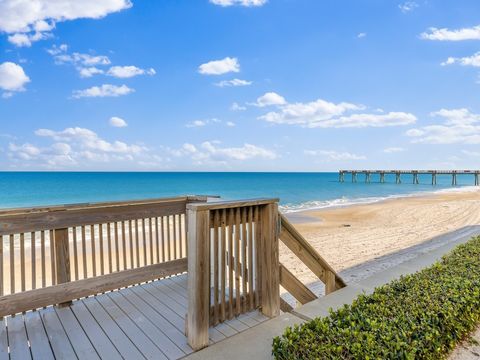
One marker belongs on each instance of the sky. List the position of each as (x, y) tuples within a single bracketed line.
[(239, 85)]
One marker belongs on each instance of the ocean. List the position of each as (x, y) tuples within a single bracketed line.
[(296, 191)]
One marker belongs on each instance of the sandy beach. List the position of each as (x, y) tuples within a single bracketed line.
[(351, 236)]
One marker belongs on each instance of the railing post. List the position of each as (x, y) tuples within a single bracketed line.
[(270, 286), (62, 258), (198, 238)]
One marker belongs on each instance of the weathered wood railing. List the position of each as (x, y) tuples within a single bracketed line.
[(52, 255), (232, 263)]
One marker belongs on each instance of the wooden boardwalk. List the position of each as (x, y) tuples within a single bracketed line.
[(138, 322)]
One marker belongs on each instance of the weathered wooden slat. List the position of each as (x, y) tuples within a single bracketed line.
[(117, 250), (102, 344), (251, 303), (244, 257), (2, 276), (109, 248), (33, 299), (305, 252), (144, 238), (124, 246), (77, 336), (93, 250), (75, 254), (84, 253), (17, 338), (284, 306), (22, 261), (269, 256), (61, 346), (3, 341), (238, 265), (198, 278), (33, 261), (230, 262), (216, 223), (150, 235), (45, 220), (230, 204), (11, 250), (295, 287), (43, 259), (223, 254), (39, 344), (102, 255), (130, 241)]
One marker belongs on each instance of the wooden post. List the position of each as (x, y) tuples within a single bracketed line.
[(62, 258), (329, 282), (270, 286), (198, 287)]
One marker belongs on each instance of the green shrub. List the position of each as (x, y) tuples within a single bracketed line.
[(419, 316)]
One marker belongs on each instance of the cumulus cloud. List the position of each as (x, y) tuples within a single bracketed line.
[(246, 3), (12, 78), (473, 60), (77, 147), (332, 155), (445, 34), (459, 126), (115, 121), (391, 150), (270, 98), (408, 6), (237, 107), (128, 71), (219, 67), (27, 21), (210, 152), (105, 90), (233, 82), (324, 114), (361, 35)]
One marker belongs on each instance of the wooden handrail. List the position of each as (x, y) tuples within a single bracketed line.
[(309, 256)]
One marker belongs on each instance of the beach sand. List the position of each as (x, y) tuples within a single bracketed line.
[(350, 236)]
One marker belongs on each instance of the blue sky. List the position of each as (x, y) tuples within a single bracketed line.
[(239, 85)]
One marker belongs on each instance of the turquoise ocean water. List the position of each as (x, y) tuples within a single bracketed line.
[(297, 191)]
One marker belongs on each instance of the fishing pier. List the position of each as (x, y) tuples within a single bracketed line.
[(414, 174)]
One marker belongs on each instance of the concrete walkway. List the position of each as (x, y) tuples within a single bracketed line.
[(256, 343)]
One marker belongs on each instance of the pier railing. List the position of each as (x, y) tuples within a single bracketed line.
[(52, 255), (415, 173)]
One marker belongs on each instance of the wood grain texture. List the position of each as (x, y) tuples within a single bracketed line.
[(61, 293), (295, 287)]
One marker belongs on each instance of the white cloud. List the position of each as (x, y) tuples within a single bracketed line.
[(270, 98), (233, 82), (236, 107), (332, 155), (246, 3), (79, 148), (128, 71), (115, 121), (460, 126), (27, 21), (209, 152), (471, 153), (390, 150), (202, 123), (444, 34), (89, 71), (408, 6), (361, 35), (219, 67), (105, 90), (12, 78), (473, 60), (324, 114)]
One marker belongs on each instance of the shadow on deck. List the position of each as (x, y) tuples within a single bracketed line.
[(141, 321)]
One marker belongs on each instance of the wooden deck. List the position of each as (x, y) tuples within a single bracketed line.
[(142, 321)]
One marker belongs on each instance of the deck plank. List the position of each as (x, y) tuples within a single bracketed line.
[(17, 338), (123, 344), (80, 342), (61, 346), (147, 326), (39, 344), (165, 326), (134, 333), (180, 298), (3, 340), (100, 341), (166, 299)]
